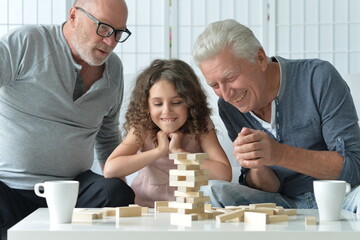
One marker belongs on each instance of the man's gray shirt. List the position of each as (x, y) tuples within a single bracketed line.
[(44, 133)]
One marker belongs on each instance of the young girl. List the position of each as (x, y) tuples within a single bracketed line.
[(168, 113)]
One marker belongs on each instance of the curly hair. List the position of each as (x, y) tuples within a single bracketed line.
[(186, 84)]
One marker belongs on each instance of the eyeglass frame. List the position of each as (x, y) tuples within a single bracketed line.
[(115, 31)]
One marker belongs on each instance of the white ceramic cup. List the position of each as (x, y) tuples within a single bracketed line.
[(329, 195), (61, 197)]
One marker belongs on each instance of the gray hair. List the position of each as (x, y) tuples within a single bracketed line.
[(226, 34)]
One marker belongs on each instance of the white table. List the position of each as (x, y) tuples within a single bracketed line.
[(157, 226)]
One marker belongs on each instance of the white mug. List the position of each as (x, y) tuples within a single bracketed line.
[(329, 195), (61, 197)]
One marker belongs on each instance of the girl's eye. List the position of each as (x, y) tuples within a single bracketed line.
[(157, 104), (177, 103)]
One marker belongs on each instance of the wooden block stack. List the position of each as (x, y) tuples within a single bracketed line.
[(188, 177)]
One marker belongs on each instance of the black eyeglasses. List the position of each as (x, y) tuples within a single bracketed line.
[(105, 30)]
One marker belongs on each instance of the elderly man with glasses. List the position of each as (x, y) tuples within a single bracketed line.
[(61, 89)]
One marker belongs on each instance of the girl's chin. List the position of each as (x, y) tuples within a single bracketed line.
[(168, 131)]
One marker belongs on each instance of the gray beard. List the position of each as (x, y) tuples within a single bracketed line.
[(85, 55)]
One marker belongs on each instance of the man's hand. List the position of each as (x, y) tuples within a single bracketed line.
[(256, 149)]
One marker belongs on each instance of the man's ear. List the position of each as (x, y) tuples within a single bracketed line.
[(72, 16), (261, 58)]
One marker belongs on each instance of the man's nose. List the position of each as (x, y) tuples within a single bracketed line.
[(110, 41)]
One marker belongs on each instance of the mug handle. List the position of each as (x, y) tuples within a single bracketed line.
[(348, 189), (36, 189)]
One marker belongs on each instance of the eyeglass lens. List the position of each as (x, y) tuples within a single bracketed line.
[(105, 31)]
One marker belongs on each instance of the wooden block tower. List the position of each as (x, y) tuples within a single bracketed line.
[(188, 177)]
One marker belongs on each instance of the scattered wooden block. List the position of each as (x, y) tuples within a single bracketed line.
[(310, 220), (208, 207), (278, 218), (262, 205), (87, 215), (256, 217), (128, 211), (158, 204), (144, 210), (269, 211), (290, 212), (110, 211), (231, 215)]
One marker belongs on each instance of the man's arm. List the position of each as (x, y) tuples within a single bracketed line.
[(256, 150)]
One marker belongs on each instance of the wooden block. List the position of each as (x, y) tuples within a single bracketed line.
[(88, 216), (235, 207), (188, 184), (217, 213), (208, 207), (188, 189), (224, 210), (166, 210), (310, 220), (269, 211), (128, 211), (178, 156), (278, 218), (256, 217), (197, 156), (110, 211), (279, 211), (262, 205), (290, 212), (244, 206), (205, 215), (158, 204), (230, 215), (199, 178), (144, 210), (188, 167), (177, 172), (192, 199), (188, 194), (187, 162), (186, 205), (190, 211)]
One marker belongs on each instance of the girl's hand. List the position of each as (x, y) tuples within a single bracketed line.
[(163, 143), (175, 142)]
